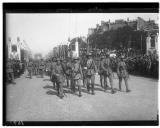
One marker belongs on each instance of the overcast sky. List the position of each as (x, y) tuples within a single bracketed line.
[(44, 31)]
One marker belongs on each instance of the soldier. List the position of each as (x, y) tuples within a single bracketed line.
[(42, 68), (52, 69), (59, 76), (83, 63), (91, 70), (68, 72), (77, 75), (36, 67), (30, 68), (10, 73), (122, 73), (107, 73), (100, 72)]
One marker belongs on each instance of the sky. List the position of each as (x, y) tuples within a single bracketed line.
[(43, 31)]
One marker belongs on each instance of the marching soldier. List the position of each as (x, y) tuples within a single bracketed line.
[(107, 73), (59, 76), (36, 67), (30, 68), (100, 71), (52, 69), (91, 70), (68, 72), (42, 68), (84, 70), (77, 75), (10, 73), (122, 74)]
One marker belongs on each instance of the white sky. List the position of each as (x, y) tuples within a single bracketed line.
[(43, 31)]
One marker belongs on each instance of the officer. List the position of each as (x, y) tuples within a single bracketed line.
[(36, 67), (91, 70), (52, 69), (68, 72), (10, 73), (77, 75), (100, 72), (30, 68), (122, 74), (107, 72), (42, 68), (83, 63), (59, 76)]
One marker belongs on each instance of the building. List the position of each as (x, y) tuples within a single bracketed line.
[(139, 25), (18, 49), (150, 27)]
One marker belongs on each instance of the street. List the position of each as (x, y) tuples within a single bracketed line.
[(36, 100)]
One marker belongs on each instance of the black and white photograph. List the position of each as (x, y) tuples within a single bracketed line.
[(66, 66)]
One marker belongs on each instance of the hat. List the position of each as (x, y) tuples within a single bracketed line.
[(76, 58), (122, 57), (102, 56), (89, 54)]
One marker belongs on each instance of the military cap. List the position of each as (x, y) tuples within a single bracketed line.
[(89, 54), (76, 58), (122, 57), (103, 56)]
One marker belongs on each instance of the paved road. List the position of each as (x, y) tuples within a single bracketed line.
[(35, 100)]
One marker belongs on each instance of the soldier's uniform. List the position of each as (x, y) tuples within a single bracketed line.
[(52, 69), (59, 76), (84, 70), (91, 70), (107, 73), (100, 72), (68, 72), (122, 74), (10, 73), (30, 68), (42, 68), (77, 75), (36, 67)]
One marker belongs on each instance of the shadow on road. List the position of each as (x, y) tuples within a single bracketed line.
[(46, 80), (39, 77), (27, 77), (52, 92), (48, 87)]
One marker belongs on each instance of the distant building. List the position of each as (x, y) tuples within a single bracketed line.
[(139, 25)]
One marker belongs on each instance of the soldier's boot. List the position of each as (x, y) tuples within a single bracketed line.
[(111, 83), (79, 88), (101, 81), (12, 79), (126, 83), (54, 85), (88, 87), (93, 93), (120, 84), (61, 91), (67, 83), (73, 87)]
